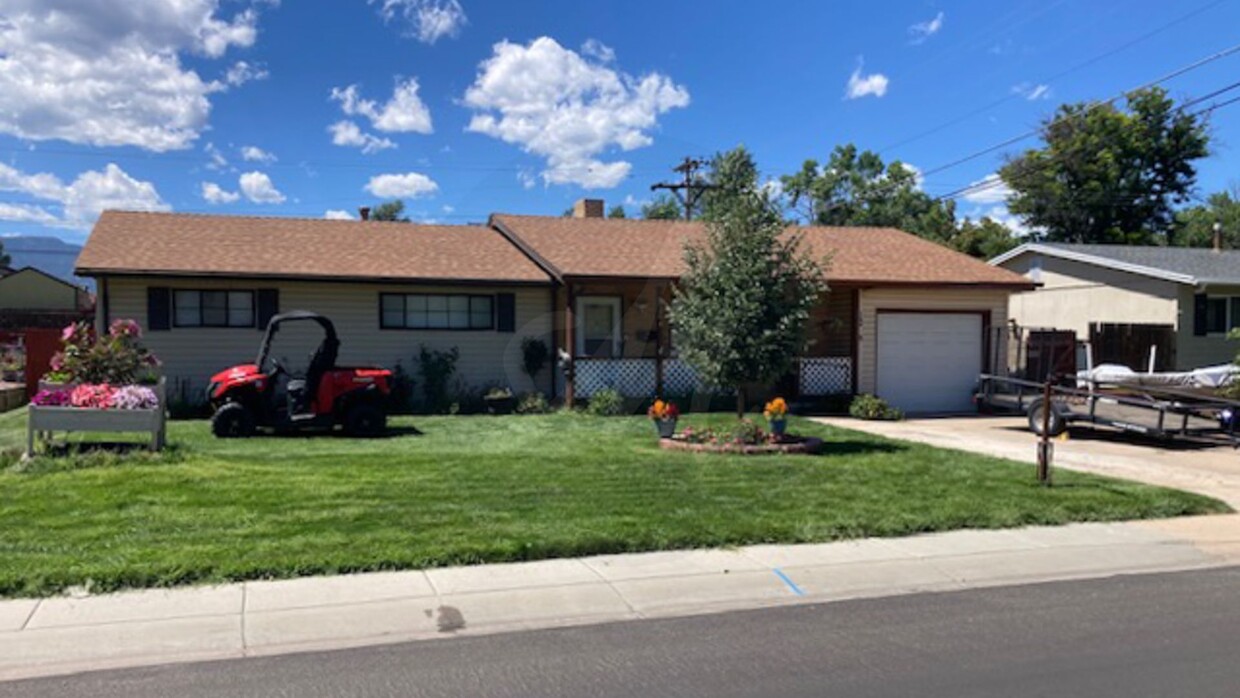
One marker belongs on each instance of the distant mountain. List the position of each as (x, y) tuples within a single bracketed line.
[(45, 253)]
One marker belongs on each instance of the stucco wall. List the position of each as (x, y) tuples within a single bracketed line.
[(964, 300), (1075, 294), (487, 357)]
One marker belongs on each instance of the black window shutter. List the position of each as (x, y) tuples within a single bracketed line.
[(505, 312), (158, 308), (268, 302), (1201, 308)]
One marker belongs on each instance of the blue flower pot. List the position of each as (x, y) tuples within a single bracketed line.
[(666, 427), (778, 426)]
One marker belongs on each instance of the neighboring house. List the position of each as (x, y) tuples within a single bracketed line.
[(30, 298), (1183, 299), (905, 318)]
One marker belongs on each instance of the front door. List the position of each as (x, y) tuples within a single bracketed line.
[(598, 327)]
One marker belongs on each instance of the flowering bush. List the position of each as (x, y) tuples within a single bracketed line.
[(662, 411), (134, 397), (776, 410), (116, 357), (92, 396), (51, 398)]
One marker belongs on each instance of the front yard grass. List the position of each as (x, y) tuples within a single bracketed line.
[(486, 489)]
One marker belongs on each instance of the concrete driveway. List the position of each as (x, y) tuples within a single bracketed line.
[(1212, 471)]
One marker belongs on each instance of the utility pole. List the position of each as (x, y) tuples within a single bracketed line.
[(690, 189)]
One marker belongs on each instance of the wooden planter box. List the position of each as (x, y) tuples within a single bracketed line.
[(44, 421)]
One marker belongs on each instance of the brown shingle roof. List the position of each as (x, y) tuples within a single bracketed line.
[(176, 243), (627, 248)]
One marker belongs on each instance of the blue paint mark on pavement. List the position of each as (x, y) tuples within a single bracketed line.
[(791, 584)]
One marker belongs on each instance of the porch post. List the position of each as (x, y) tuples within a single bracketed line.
[(658, 342), (570, 380)]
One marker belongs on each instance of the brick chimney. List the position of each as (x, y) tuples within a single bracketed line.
[(588, 208), (363, 212)]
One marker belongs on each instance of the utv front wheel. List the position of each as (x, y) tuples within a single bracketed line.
[(365, 419), (232, 420)]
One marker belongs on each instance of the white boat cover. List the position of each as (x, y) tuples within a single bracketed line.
[(1208, 378)]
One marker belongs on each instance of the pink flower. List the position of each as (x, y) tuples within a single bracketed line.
[(67, 333), (125, 328), (57, 361)]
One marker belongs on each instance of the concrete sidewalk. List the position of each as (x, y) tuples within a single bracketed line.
[(65, 634)]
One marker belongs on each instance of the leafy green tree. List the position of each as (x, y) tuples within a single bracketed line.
[(984, 239), (616, 211), (1109, 175), (740, 313), (858, 188), (664, 207), (5, 259), (1194, 226), (390, 211)]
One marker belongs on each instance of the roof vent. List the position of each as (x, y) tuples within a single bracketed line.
[(588, 208), (363, 212), (1218, 237)]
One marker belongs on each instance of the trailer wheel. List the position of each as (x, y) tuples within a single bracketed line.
[(232, 420), (1057, 424)]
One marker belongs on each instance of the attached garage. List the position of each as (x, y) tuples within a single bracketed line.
[(929, 361)]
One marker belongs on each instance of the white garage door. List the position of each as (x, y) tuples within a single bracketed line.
[(929, 362)]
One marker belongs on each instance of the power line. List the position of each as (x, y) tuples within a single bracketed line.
[(1080, 66)]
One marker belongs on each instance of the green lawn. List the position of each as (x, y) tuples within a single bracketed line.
[(473, 489)]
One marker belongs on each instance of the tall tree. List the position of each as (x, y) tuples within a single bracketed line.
[(1194, 226), (616, 211), (858, 188), (984, 239), (5, 259), (390, 211), (664, 207), (740, 312), (1106, 174)]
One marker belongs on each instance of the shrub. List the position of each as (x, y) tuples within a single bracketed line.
[(873, 407), (746, 432), (116, 357), (605, 403), (534, 356), (533, 403), (400, 397), (436, 369)]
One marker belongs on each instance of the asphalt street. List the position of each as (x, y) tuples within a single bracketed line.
[(1158, 635)]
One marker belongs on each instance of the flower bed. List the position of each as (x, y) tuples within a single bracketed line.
[(92, 387), (786, 445)]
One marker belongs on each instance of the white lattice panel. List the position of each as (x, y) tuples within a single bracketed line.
[(629, 377), (830, 375)]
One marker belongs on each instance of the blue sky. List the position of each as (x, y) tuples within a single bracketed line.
[(461, 109)]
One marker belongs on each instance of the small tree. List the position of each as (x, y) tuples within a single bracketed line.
[(390, 211), (616, 211), (740, 312), (534, 356)]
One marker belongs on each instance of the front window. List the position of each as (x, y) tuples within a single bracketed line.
[(1222, 314), (422, 311), (213, 308)]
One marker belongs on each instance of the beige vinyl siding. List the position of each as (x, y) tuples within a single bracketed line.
[(1074, 294), (919, 298), (1192, 351), (191, 355), (30, 290)]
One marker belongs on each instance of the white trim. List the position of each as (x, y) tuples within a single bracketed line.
[(1095, 260), (616, 330)]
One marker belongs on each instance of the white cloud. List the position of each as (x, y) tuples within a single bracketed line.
[(109, 73), (217, 159), (79, 202), (253, 153), (347, 133), (394, 186), (924, 30), (336, 214), (1000, 214), (427, 20), (597, 49), (864, 85), (987, 190), (449, 209), (403, 113), (258, 188), (214, 194), (559, 106), (1032, 92), (242, 72)]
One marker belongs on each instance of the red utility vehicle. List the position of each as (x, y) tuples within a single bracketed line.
[(265, 394)]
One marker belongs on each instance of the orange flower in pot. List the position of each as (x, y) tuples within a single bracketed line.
[(776, 413), (664, 416)]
